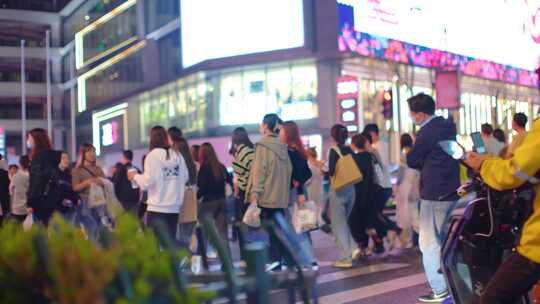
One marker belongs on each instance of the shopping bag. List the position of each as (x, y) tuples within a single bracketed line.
[(252, 217), (188, 210), (305, 217), (96, 196), (347, 172), (28, 222)]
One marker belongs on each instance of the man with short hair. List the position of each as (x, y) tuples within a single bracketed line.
[(493, 146), (378, 144), (439, 176), (127, 194), (518, 124), (12, 170)]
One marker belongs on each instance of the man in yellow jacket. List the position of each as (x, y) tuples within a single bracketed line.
[(521, 270)]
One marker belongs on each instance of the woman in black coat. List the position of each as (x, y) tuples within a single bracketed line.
[(42, 202)]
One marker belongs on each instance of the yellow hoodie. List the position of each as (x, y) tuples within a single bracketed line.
[(511, 173)]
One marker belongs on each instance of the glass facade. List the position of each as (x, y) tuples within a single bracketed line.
[(115, 77), (86, 14), (119, 31), (169, 56), (475, 110), (159, 13), (204, 103), (11, 108)]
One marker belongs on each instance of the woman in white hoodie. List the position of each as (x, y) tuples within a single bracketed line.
[(165, 176)]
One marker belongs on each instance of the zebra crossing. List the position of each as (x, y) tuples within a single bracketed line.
[(377, 280)]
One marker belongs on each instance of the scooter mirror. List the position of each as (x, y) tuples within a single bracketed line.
[(452, 148)]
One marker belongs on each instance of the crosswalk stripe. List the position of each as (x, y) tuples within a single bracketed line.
[(340, 275), (374, 289)]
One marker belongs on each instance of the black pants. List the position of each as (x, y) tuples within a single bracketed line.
[(516, 276), (379, 221), (359, 220), (216, 210), (170, 220), (268, 214)]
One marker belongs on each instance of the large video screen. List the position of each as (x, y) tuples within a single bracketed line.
[(502, 31), (213, 29)]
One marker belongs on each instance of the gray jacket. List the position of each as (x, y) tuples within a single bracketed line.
[(270, 177)]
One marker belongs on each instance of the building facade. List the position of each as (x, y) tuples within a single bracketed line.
[(29, 21), (209, 67)]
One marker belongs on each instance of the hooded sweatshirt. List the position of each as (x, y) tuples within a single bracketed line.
[(164, 179), (271, 172), (439, 172)]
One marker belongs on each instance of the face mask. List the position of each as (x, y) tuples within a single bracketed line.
[(29, 144)]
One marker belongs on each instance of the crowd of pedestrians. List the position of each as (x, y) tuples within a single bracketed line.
[(179, 184)]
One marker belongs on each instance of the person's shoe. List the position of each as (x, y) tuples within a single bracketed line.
[(434, 297), (343, 264), (326, 229), (315, 266), (212, 255), (275, 266), (358, 254)]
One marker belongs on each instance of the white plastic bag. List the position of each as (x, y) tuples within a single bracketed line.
[(96, 196), (252, 217), (304, 217), (28, 222)]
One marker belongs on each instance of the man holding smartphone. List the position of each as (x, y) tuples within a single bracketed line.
[(439, 176)]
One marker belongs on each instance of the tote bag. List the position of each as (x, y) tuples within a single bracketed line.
[(347, 172), (188, 210)]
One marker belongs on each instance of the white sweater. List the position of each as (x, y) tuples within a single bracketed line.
[(164, 179)]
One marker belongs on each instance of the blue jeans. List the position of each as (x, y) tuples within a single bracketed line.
[(433, 224), (341, 204)]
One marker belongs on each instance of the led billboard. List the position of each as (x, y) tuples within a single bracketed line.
[(213, 29), (494, 39)]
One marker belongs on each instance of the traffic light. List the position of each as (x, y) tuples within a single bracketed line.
[(387, 102)]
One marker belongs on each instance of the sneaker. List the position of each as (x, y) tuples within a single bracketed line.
[(315, 266), (343, 264), (275, 266), (434, 297), (358, 254), (212, 255)]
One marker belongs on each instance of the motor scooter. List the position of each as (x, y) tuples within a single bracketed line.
[(482, 234)]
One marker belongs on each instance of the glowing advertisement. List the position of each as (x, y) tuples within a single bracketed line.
[(493, 39), (213, 29)]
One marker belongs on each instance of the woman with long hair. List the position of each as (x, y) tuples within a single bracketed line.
[(188, 211), (211, 183), (290, 136), (85, 175), (165, 176), (243, 152), (44, 161), (270, 179), (341, 202)]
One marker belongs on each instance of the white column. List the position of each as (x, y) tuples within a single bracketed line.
[(48, 69), (23, 100)]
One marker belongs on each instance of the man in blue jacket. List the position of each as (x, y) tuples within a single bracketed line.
[(439, 177)]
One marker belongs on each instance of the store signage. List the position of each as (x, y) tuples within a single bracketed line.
[(109, 133), (347, 102), (446, 35), (2, 141), (447, 90)]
